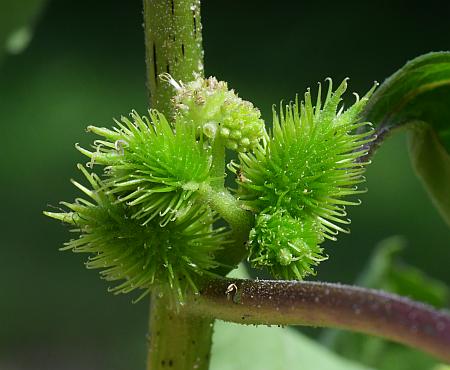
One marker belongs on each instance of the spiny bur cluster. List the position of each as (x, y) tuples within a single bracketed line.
[(143, 224), (147, 223), (300, 178)]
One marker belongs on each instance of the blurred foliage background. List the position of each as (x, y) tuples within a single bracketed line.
[(84, 64)]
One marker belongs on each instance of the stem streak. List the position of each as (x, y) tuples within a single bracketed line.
[(173, 44), (327, 305)]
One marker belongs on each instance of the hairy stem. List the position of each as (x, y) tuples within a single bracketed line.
[(328, 305), (430, 159), (173, 44), (178, 340), (381, 133)]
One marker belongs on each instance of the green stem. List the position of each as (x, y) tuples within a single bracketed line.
[(218, 164), (240, 220), (229, 208), (173, 44), (179, 340)]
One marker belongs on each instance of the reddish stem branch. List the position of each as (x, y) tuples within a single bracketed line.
[(328, 305)]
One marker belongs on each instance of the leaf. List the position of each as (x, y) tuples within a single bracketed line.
[(17, 20), (432, 163), (263, 348), (419, 91), (418, 97), (386, 271)]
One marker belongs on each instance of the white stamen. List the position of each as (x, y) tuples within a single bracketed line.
[(168, 78)]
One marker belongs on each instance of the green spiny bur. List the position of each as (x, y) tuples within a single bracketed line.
[(306, 169), (208, 105), (288, 247), (140, 256), (151, 166)]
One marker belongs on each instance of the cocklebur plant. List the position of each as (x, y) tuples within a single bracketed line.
[(152, 217), (149, 224)]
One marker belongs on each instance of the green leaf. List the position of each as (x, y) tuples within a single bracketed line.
[(432, 163), (263, 348), (418, 97), (17, 20), (386, 271)]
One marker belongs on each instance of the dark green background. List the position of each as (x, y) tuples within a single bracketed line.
[(85, 65)]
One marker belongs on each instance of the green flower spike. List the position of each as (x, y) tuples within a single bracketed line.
[(216, 111), (151, 166), (306, 169), (140, 256)]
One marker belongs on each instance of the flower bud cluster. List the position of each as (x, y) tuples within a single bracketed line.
[(219, 112)]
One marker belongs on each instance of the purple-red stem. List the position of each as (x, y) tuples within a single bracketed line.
[(327, 305)]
